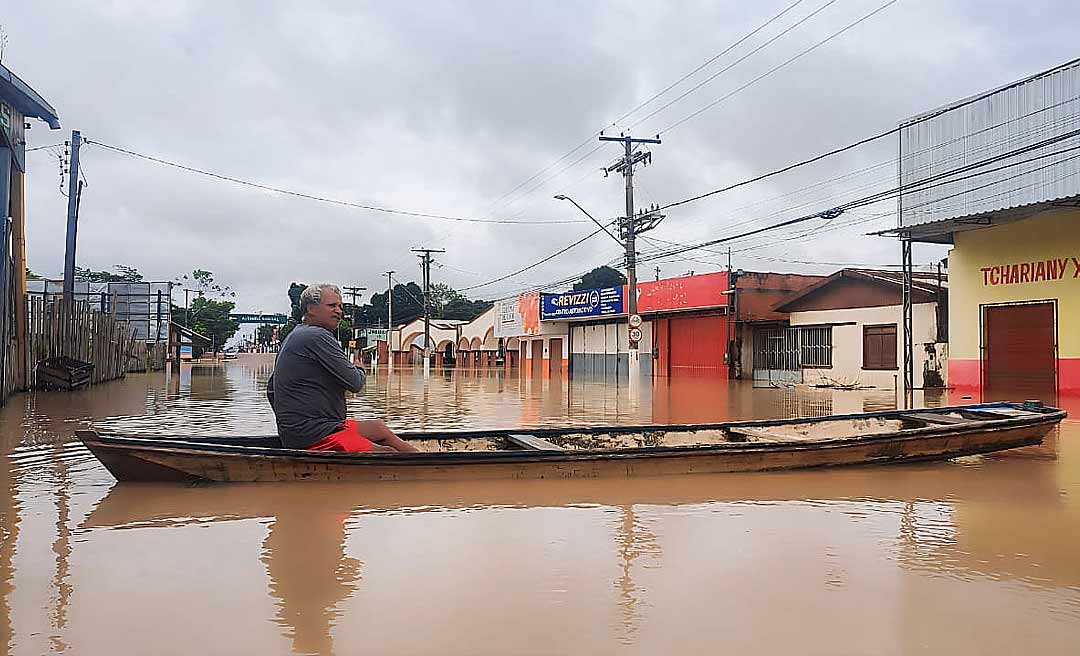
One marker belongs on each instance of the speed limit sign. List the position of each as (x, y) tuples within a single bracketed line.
[(635, 334)]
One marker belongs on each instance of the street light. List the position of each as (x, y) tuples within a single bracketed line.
[(602, 226)]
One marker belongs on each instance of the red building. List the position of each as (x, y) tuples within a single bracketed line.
[(691, 324)]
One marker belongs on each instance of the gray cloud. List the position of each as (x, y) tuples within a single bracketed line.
[(444, 107)]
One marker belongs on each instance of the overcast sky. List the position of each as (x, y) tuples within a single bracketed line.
[(444, 108)]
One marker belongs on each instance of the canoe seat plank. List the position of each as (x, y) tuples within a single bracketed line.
[(756, 433), (933, 418), (533, 442), (1008, 412), (985, 415)]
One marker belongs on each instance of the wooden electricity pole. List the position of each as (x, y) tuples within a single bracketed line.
[(631, 225), (425, 263)]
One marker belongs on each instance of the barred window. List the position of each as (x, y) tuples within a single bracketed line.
[(815, 346)]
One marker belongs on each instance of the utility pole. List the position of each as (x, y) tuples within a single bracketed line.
[(353, 292), (631, 225), (389, 319), (75, 186), (425, 262), (657, 274), (187, 304)]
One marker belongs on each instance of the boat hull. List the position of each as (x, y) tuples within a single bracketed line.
[(133, 460)]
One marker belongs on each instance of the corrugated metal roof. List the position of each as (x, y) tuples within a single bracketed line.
[(1022, 142), (26, 100)]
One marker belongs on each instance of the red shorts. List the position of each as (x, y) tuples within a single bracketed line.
[(347, 438)]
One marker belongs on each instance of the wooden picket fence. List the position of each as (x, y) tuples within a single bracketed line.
[(147, 356), (75, 330)]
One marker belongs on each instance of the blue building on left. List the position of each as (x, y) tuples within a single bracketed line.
[(19, 103)]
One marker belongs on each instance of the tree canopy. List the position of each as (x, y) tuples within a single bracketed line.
[(211, 318), (603, 276), (446, 303), (123, 273)]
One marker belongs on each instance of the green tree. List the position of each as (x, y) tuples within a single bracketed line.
[(295, 289), (211, 318), (408, 305), (123, 273), (204, 283), (464, 309), (603, 276), (30, 275), (264, 334), (443, 295)]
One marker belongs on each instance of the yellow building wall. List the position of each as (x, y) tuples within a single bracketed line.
[(1050, 236)]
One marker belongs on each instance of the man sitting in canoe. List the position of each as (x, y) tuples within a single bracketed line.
[(311, 375)]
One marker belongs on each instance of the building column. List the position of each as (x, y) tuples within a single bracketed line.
[(18, 247)]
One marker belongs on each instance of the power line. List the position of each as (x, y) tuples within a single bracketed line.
[(322, 199), (635, 110), (919, 185), (830, 226), (778, 67), (860, 142), (30, 150), (732, 64), (534, 264), (714, 58)]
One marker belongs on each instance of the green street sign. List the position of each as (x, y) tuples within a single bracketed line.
[(278, 319)]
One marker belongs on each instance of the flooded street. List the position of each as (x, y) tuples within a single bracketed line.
[(977, 555)]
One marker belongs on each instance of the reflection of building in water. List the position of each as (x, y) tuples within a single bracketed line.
[(701, 399), (9, 534), (634, 540), (208, 384), (1010, 534), (61, 587), (310, 575), (805, 403)]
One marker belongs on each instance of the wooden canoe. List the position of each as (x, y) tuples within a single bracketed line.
[(594, 452)]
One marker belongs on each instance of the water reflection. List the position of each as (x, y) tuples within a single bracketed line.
[(868, 560), (9, 535), (61, 587), (634, 540), (310, 575)]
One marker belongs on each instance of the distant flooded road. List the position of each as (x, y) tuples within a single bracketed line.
[(979, 555)]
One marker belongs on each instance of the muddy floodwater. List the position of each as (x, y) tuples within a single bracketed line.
[(979, 555)]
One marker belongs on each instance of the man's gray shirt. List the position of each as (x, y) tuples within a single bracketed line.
[(307, 388)]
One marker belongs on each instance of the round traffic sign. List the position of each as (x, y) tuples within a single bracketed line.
[(635, 320), (635, 334)]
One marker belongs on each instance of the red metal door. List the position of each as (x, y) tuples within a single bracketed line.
[(1020, 356), (662, 346), (698, 344)]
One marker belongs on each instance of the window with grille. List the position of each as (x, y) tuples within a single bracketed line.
[(879, 347), (815, 346)]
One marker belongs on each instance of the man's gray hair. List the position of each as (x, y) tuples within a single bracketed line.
[(312, 295)]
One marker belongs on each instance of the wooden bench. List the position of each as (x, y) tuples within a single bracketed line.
[(533, 443), (986, 415), (933, 418), (757, 434)]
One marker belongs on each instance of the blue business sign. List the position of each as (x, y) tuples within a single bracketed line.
[(582, 304)]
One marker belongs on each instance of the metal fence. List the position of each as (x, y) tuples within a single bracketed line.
[(145, 306)]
